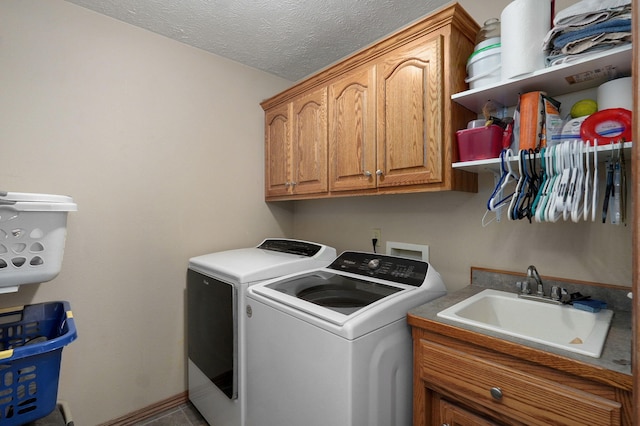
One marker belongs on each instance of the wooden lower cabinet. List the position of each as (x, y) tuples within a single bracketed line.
[(450, 414), (458, 383)]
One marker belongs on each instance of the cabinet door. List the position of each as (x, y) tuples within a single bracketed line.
[(309, 142), (454, 415), (352, 133), (518, 395), (410, 109), (277, 150)]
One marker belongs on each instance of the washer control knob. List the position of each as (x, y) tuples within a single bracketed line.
[(374, 264)]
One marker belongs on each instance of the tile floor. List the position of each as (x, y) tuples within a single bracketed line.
[(183, 415)]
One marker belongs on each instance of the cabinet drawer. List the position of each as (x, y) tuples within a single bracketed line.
[(523, 397)]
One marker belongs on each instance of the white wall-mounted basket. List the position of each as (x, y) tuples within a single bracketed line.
[(33, 230)]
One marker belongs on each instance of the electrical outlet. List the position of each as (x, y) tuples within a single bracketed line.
[(376, 233)]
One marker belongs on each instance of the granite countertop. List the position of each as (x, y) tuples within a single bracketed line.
[(616, 354)]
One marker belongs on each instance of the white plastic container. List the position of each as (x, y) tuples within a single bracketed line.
[(33, 229), (487, 42), (484, 66)]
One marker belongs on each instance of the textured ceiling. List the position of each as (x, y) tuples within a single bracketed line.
[(288, 38)]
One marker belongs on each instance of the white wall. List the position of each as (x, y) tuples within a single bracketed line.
[(450, 223), (161, 146)]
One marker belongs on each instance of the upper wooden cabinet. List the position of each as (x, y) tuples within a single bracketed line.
[(352, 131), (296, 146), (389, 123), (410, 109), (277, 150)]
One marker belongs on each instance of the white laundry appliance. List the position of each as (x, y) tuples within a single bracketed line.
[(332, 346), (216, 288)]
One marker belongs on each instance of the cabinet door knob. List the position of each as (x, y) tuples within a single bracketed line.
[(496, 393), (367, 173), (379, 172), (287, 184)]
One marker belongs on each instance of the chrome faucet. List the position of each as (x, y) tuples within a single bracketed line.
[(532, 272), (557, 296)]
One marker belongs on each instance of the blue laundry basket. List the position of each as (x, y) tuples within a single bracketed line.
[(31, 341)]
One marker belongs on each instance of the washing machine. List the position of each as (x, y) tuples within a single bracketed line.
[(216, 289), (332, 346)]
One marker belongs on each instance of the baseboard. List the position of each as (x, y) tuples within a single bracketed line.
[(150, 411)]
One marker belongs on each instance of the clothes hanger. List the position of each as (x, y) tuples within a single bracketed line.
[(565, 178), (577, 194), (571, 186), (623, 182), (594, 198), (587, 183), (551, 214), (507, 176), (549, 155), (616, 186), (532, 184), (543, 184), (609, 188), (518, 194)]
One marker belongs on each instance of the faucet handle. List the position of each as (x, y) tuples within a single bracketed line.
[(524, 287), (559, 293)]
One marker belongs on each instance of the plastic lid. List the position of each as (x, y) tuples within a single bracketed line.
[(37, 202), (33, 197)]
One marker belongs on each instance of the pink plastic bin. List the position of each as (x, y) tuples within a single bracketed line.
[(479, 143)]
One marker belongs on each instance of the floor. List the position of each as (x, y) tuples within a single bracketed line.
[(183, 415)]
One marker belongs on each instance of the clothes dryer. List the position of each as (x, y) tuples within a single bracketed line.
[(216, 288)]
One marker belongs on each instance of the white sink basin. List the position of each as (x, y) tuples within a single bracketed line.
[(560, 326)]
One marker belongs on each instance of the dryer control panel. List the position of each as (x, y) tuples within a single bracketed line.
[(389, 268), (301, 248)]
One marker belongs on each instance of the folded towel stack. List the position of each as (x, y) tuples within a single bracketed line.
[(586, 27)]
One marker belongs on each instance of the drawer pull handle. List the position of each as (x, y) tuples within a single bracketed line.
[(496, 393)]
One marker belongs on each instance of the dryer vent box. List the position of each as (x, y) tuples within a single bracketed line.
[(410, 251)]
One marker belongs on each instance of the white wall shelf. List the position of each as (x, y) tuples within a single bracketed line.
[(492, 165), (586, 73)]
